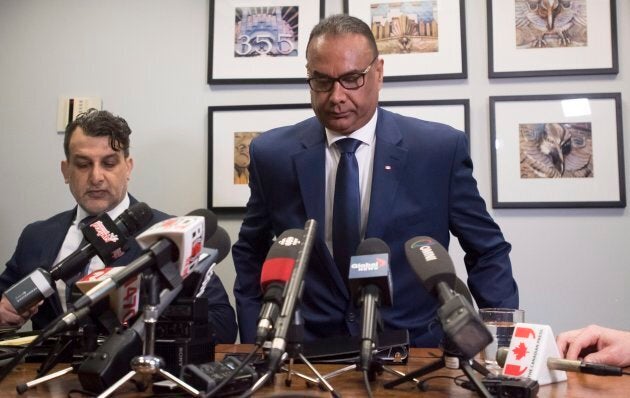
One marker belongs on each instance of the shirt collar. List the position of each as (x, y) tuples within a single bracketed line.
[(113, 213), (365, 134)]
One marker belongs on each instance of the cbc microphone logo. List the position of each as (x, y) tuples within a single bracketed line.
[(289, 241)]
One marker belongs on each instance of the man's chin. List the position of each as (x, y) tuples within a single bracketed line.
[(97, 206)]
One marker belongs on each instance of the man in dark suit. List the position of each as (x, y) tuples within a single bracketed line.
[(415, 178), (97, 169)]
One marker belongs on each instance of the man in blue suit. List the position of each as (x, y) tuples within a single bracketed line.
[(97, 169), (415, 179)]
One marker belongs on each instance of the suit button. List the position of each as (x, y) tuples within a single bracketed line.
[(351, 317)]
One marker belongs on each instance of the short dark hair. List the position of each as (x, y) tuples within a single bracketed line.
[(341, 24), (95, 123)]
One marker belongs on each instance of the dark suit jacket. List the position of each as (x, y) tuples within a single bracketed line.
[(40, 243), (422, 185)]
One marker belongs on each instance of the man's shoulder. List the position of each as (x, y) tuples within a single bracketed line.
[(58, 221), (419, 131), (291, 133)]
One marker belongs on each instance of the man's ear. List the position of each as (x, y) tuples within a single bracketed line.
[(64, 171)]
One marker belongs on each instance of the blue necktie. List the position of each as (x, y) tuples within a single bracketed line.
[(347, 205)]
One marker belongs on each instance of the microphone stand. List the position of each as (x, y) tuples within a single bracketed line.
[(149, 364), (451, 359)]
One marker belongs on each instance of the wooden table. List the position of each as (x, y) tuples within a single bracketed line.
[(349, 384)]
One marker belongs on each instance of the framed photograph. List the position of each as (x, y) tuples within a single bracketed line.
[(545, 38), (260, 41), (557, 151), (453, 112), (230, 131), (417, 39)]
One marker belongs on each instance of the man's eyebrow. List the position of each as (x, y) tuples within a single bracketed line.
[(319, 74)]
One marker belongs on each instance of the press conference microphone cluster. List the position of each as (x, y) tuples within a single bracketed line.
[(106, 238), (370, 283), (276, 271), (434, 267), (172, 248)]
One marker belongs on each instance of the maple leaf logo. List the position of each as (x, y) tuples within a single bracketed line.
[(520, 351)]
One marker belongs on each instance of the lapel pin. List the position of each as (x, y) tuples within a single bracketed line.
[(388, 167)]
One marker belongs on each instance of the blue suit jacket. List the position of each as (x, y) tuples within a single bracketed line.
[(40, 243), (422, 185)]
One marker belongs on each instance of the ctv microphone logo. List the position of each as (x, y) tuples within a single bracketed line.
[(103, 233)]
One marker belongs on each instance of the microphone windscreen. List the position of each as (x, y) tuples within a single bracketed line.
[(372, 246), (220, 240), (210, 221), (136, 217), (281, 257), (430, 261), (370, 266)]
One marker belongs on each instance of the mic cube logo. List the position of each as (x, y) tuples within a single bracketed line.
[(289, 241), (102, 232), (369, 266), (424, 245), (530, 347)]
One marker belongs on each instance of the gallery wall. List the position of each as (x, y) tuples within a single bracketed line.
[(147, 60)]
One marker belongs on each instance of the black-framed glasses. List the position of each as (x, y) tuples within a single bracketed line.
[(351, 81)]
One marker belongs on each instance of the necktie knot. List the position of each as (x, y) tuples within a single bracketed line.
[(348, 145)]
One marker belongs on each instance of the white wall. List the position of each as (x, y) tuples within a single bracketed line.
[(147, 59)]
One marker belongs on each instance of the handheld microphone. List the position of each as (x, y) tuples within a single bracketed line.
[(276, 271), (460, 322), (180, 246), (106, 238), (292, 293), (370, 283)]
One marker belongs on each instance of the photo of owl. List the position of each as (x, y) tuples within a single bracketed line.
[(556, 150), (550, 23)]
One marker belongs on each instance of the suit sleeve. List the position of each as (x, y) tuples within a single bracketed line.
[(249, 252), (220, 313), (487, 253)]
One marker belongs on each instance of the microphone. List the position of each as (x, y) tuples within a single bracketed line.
[(291, 295), (460, 322), (111, 360), (106, 238), (370, 283), (568, 365), (176, 242), (276, 271)]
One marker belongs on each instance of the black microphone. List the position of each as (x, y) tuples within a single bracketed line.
[(292, 293), (105, 238), (370, 283), (434, 267), (276, 271)]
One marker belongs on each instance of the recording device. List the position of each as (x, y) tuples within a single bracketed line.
[(291, 295), (207, 376), (505, 386), (105, 238), (370, 283), (276, 271), (111, 360), (460, 322)]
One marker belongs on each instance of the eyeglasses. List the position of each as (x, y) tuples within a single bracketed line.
[(351, 81)]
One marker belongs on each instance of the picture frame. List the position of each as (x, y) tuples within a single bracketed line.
[(453, 112), (260, 41), (234, 127), (557, 151), (435, 49), (583, 40)]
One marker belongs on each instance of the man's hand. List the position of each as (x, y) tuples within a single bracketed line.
[(612, 347), (8, 316)]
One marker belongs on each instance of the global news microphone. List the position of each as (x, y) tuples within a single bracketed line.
[(97, 168)]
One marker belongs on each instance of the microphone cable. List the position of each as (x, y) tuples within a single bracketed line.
[(225, 381)]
